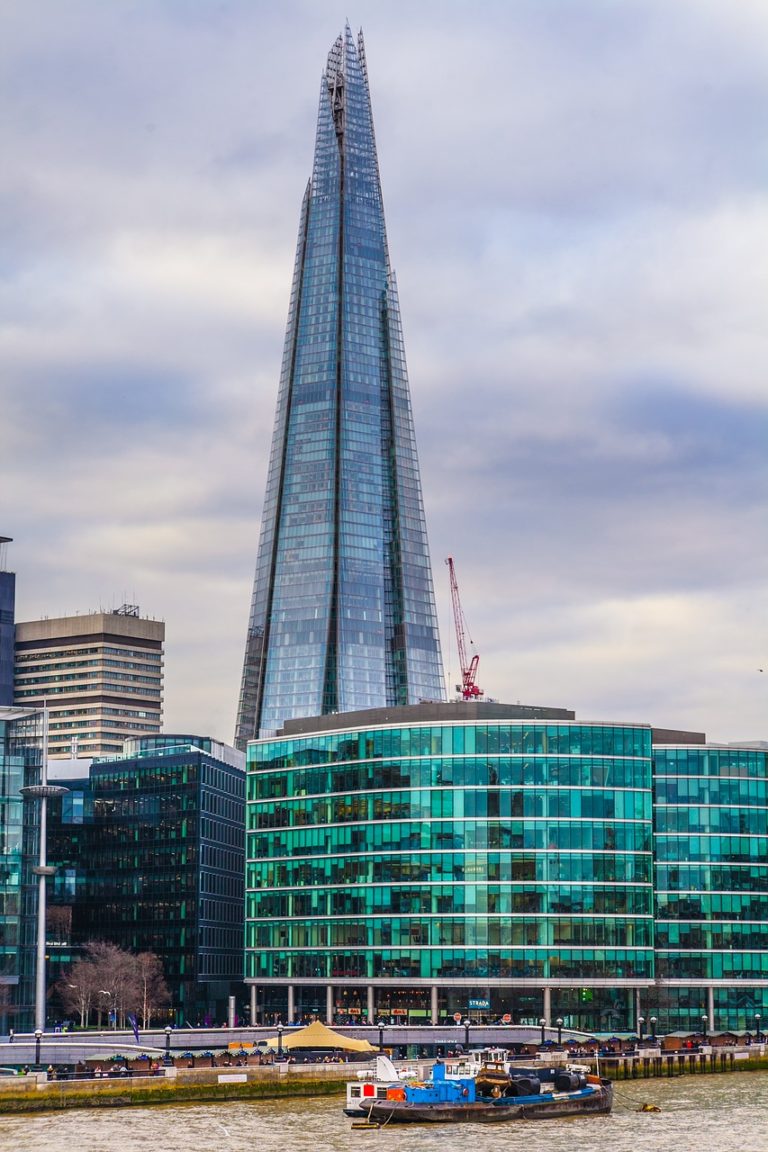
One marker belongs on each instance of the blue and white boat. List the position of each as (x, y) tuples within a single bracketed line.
[(493, 1096)]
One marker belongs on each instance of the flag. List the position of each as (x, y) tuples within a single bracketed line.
[(134, 1024)]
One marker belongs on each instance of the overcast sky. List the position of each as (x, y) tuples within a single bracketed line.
[(577, 206)]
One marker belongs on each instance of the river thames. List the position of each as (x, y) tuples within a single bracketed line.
[(714, 1113)]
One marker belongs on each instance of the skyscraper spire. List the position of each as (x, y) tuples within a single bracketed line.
[(343, 614)]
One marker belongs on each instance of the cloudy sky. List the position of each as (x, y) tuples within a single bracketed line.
[(577, 205)]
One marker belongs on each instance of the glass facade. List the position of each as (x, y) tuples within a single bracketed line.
[(7, 629), (150, 856), (20, 760), (508, 855), (711, 825), (343, 614)]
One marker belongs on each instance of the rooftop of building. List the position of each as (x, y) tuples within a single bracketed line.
[(426, 712), (4, 542), (475, 711), (124, 621), (172, 744)]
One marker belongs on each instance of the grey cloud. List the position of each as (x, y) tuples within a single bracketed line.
[(576, 207)]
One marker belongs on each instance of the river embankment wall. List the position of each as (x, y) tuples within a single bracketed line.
[(36, 1093)]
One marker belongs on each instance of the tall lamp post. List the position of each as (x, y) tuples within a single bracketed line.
[(653, 1022), (42, 792), (280, 1041), (704, 1027), (168, 1031), (757, 1027), (467, 1023), (38, 1038), (381, 1035), (543, 1026), (640, 1030), (559, 1023), (111, 1013)]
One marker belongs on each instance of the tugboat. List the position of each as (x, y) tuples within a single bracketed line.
[(493, 1096)]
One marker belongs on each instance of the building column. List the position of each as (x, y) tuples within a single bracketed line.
[(253, 1005), (371, 1005), (547, 1013), (433, 1005), (329, 1005), (291, 1004), (711, 1007), (638, 1009)]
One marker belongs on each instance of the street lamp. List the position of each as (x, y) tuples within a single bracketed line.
[(38, 1038), (110, 1012), (653, 1022), (42, 792), (467, 1023), (640, 1030), (280, 1041), (559, 1023), (704, 1026), (168, 1031), (757, 1026), (543, 1026), (381, 1025)]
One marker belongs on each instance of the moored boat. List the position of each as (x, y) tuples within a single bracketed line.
[(493, 1096)]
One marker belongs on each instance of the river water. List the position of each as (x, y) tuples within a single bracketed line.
[(713, 1113)]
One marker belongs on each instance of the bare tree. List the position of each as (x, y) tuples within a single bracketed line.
[(77, 989), (108, 979), (119, 989), (155, 993)]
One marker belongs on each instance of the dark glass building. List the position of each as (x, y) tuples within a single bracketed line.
[(343, 614), (445, 856), (150, 856), (7, 626)]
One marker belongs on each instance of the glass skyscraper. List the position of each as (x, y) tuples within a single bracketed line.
[(343, 614)]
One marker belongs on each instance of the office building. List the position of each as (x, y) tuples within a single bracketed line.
[(101, 674), (711, 865), (149, 850), (484, 859), (418, 859), (20, 759), (343, 614), (7, 620)]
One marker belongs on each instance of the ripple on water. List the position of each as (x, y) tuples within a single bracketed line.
[(707, 1114)]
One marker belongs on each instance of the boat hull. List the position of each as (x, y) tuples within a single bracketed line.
[(595, 1101)]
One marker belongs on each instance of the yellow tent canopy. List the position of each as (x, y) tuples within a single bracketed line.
[(317, 1035)]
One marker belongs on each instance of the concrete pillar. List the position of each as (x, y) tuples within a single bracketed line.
[(547, 1013), (231, 1012), (329, 1005), (253, 1004), (291, 1004), (371, 1006), (711, 1007), (638, 1009), (433, 1005)]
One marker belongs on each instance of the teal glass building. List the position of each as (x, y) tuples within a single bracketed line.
[(711, 824), (423, 859), (20, 760), (342, 615)]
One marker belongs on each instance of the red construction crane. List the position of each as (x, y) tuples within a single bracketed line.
[(468, 687)]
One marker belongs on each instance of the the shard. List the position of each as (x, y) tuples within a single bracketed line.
[(343, 613)]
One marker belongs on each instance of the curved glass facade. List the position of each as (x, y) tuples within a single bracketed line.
[(505, 853), (711, 821)]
